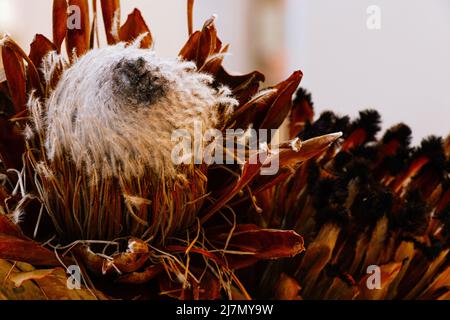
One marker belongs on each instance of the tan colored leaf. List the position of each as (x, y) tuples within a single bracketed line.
[(20, 277)]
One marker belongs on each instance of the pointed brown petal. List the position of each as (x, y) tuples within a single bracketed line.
[(208, 42), (134, 27), (189, 51), (302, 151), (59, 22), (213, 64), (111, 19), (250, 112), (15, 74), (78, 38), (259, 244), (282, 106), (7, 227), (31, 73), (39, 49), (244, 87), (19, 249)]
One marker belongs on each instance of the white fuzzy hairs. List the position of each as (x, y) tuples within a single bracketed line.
[(114, 111)]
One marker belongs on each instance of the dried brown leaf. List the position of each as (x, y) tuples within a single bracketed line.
[(78, 38), (20, 249), (111, 19), (59, 22), (15, 74), (282, 105), (134, 27)]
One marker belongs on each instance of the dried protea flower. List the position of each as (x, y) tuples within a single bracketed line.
[(87, 148), (88, 181), (108, 132)]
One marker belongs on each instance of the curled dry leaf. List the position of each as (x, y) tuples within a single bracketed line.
[(134, 27)]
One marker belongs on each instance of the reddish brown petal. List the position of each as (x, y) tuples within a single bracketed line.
[(24, 250), (78, 39), (134, 27), (244, 86), (7, 227), (189, 51), (282, 105), (263, 243), (39, 49), (254, 110), (59, 22), (15, 74), (109, 9), (213, 64), (289, 157), (208, 42)]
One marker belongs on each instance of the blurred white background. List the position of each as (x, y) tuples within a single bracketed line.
[(403, 69)]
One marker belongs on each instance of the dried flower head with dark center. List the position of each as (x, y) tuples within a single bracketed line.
[(138, 83)]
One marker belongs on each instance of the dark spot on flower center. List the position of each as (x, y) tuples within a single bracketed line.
[(137, 82)]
